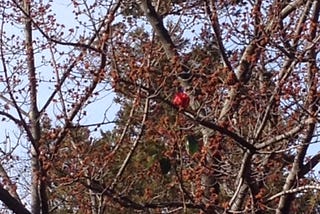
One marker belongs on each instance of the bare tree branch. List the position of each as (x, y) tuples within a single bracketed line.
[(292, 179), (216, 28), (278, 138), (5, 177), (38, 194), (313, 162), (12, 203), (295, 190), (157, 24), (134, 145), (238, 139)]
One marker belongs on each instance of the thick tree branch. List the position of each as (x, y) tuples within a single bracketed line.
[(212, 12), (238, 139), (38, 193), (11, 189), (12, 203), (290, 8), (295, 190), (243, 180), (157, 24), (307, 167), (280, 137)]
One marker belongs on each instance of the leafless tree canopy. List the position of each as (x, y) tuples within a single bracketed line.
[(159, 106)]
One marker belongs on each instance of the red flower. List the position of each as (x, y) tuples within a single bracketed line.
[(181, 100)]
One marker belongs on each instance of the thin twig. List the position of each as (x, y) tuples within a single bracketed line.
[(134, 146)]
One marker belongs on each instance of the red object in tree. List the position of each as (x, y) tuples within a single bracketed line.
[(181, 100)]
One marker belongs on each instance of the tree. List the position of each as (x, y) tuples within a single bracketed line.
[(218, 106)]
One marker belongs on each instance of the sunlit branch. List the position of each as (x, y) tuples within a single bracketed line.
[(157, 24), (301, 23), (4, 176), (286, 73), (242, 180), (286, 135), (290, 8), (295, 190)]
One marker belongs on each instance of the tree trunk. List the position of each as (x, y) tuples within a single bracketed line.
[(38, 186)]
